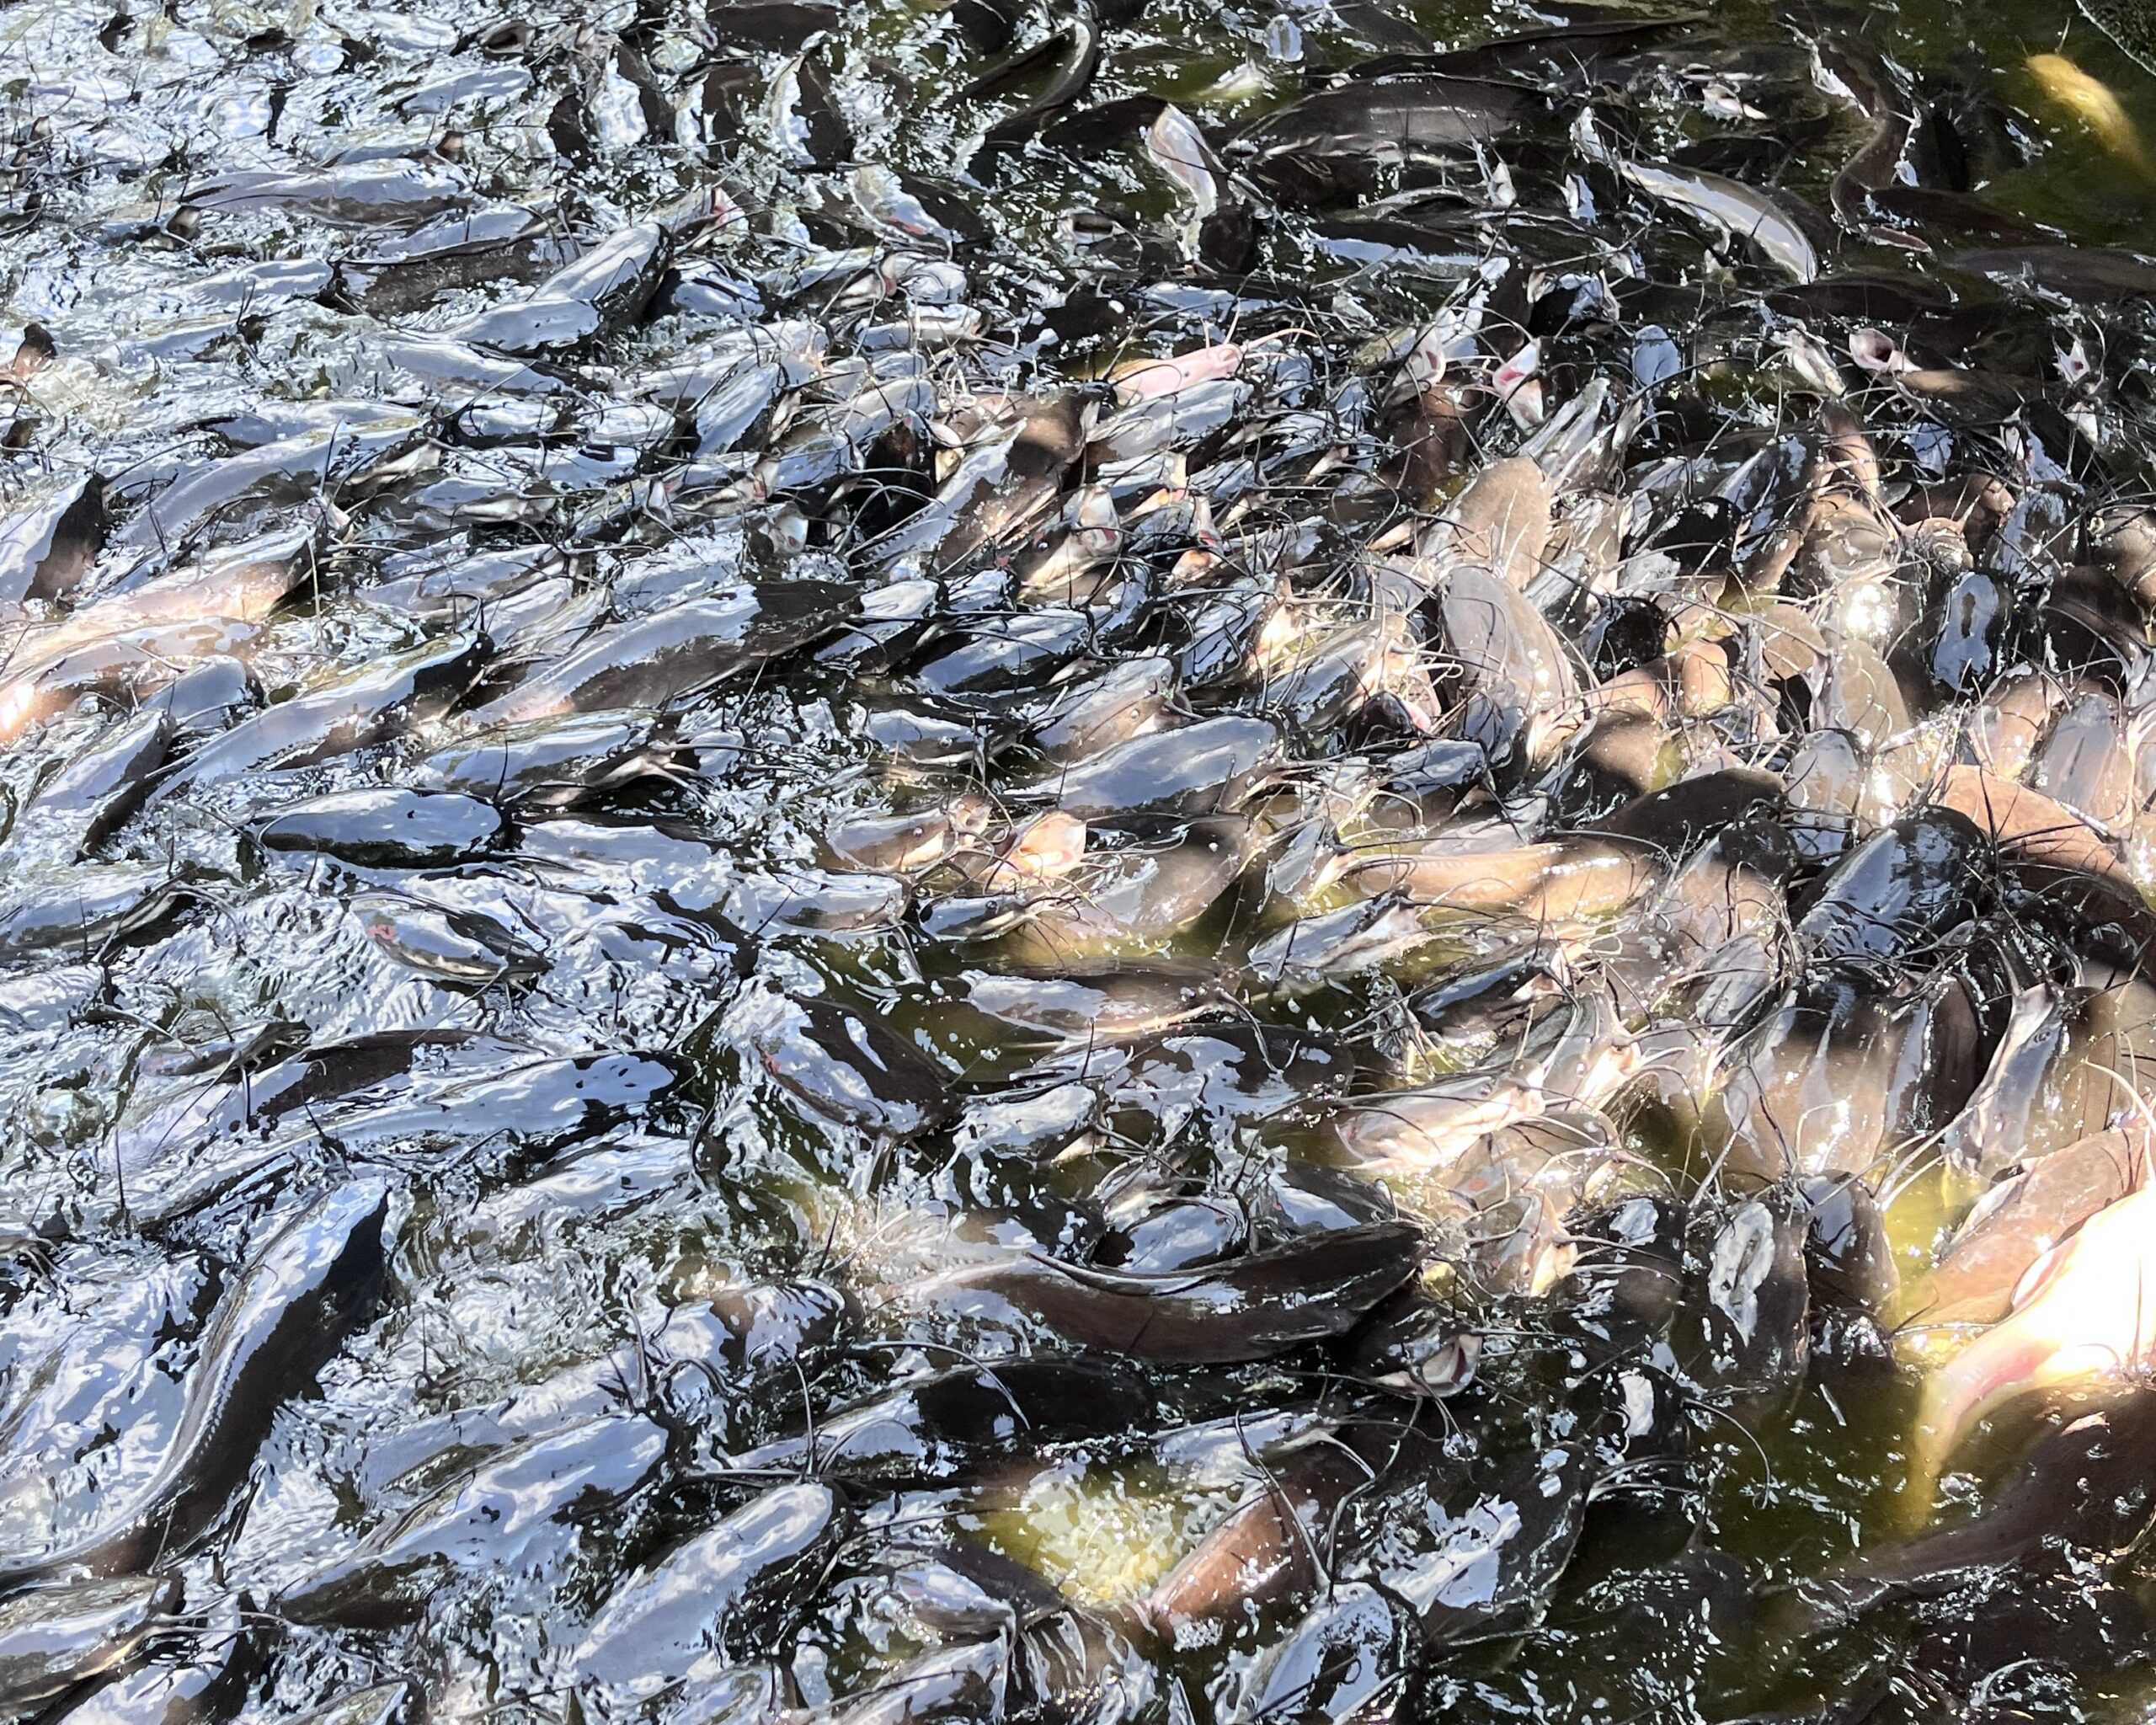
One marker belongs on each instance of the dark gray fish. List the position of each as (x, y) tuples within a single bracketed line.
[(1847, 1254), (452, 371), (388, 829), (549, 763), (670, 655), (362, 193), (1859, 75), (181, 1689), (395, 273), (368, 706), (46, 550), (1337, 140), (991, 663), (282, 1319), (968, 1681), (607, 287), (272, 475), (594, 1180), (83, 803), (212, 695), (1248, 1308), (2082, 1486), (322, 1080), (776, 24), (693, 1607), (1035, 1127), (1352, 1658), (516, 1515), (1155, 878), (856, 1070), (526, 1107), (87, 909), (381, 1705), (1009, 470), (947, 1424), (1740, 211), (803, 118), (1487, 1565), (1265, 1550), (1750, 1302), (1107, 1002), (1198, 769), (1088, 716), (1074, 55), (52, 1638), (1897, 892)]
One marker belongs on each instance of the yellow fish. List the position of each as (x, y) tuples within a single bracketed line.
[(2090, 101)]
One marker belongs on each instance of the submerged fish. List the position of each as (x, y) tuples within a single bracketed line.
[(2094, 105)]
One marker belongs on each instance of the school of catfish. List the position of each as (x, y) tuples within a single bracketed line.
[(1059, 863)]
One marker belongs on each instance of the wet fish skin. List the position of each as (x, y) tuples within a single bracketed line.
[(657, 660), (606, 287), (245, 582), (2082, 1484), (181, 1690), (694, 1603), (395, 273), (52, 1638), (1903, 887), (1161, 880), (87, 909), (379, 1704), (1261, 1551), (388, 829), (289, 471), (2075, 1320), (362, 193), (856, 1070), (47, 549), (319, 1079), (548, 763), (516, 1513), (1195, 769), (1351, 1657), (1248, 1308), (287, 1316), (1752, 1304), (1331, 141), (1074, 71), (366, 706), (944, 1423), (1736, 208), (2020, 1219), (79, 807), (1848, 1256), (968, 1680), (212, 695), (1848, 68)]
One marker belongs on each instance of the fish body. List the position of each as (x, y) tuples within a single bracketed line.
[(285, 1318), (2092, 103)]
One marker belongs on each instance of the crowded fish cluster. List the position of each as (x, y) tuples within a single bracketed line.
[(1075, 863)]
